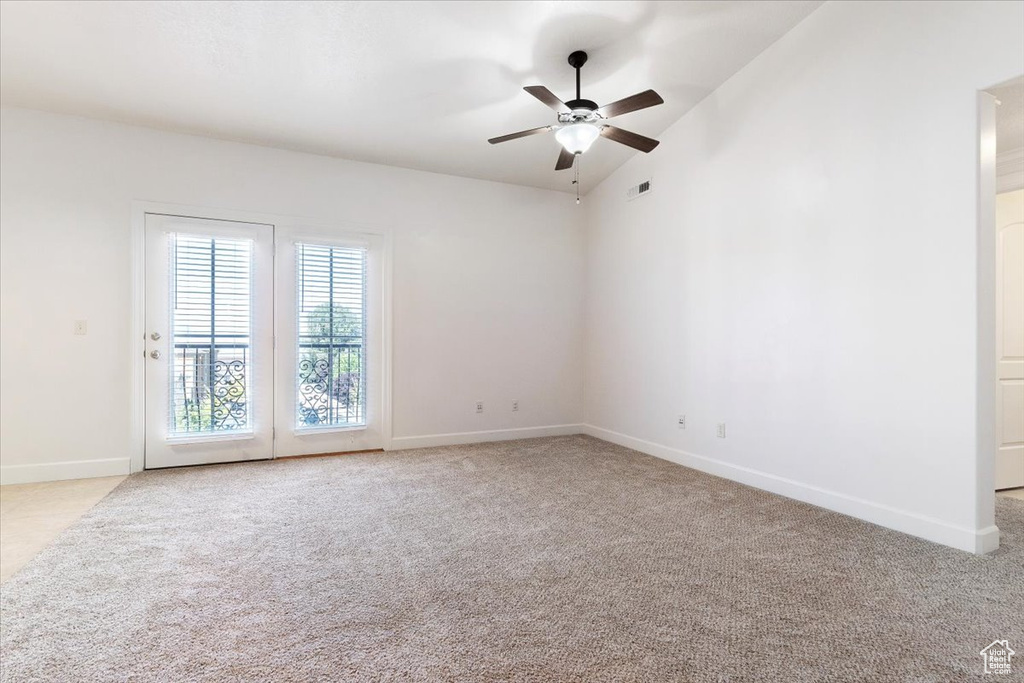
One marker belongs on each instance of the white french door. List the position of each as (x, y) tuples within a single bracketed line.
[(261, 341), (209, 341), (329, 341)]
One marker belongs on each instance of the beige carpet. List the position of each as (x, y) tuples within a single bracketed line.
[(563, 559)]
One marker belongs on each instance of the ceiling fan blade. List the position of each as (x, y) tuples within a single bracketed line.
[(642, 100), (625, 137), (547, 97), (520, 134), (565, 159)]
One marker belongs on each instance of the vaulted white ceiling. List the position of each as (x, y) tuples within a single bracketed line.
[(415, 84)]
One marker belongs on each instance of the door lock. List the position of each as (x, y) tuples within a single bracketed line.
[(155, 336), (154, 354)]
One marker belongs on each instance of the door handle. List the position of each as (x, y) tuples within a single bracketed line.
[(155, 336), (154, 355)]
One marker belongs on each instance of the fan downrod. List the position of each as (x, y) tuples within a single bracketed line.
[(576, 60)]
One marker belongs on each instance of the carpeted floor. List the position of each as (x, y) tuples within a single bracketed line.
[(562, 559)]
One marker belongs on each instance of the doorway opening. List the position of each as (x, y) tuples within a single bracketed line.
[(1001, 295)]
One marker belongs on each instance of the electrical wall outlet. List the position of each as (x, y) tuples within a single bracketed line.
[(681, 422), (81, 327), (515, 406), (479, 406), (721, 430)]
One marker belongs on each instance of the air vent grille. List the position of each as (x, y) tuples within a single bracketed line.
[(637, 190)]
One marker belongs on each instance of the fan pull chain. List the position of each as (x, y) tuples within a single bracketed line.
[(577, 181)]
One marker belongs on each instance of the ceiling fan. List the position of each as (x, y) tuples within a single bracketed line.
[(581, 121)]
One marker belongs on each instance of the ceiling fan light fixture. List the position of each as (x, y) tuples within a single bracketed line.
[(577, 137), (582, 121)]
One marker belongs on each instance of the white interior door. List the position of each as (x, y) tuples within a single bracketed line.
[(1010, 339), (209, 341), (330, 351)]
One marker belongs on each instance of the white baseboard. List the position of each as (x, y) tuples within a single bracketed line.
[(986, 540), (931, 529), (56, 471), (431, 440)]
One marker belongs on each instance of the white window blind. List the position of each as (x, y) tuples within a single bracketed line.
[(211, 323), (331, 351)]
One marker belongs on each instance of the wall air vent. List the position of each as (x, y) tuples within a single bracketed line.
[(637, 190)]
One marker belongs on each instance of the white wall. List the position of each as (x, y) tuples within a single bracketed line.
[(487, 283), (805, 270)]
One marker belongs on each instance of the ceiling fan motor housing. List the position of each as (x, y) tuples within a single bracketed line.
[(581, 104), (580, 114)]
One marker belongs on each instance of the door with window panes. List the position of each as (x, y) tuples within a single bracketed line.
[(261, 341), (329, 320)]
